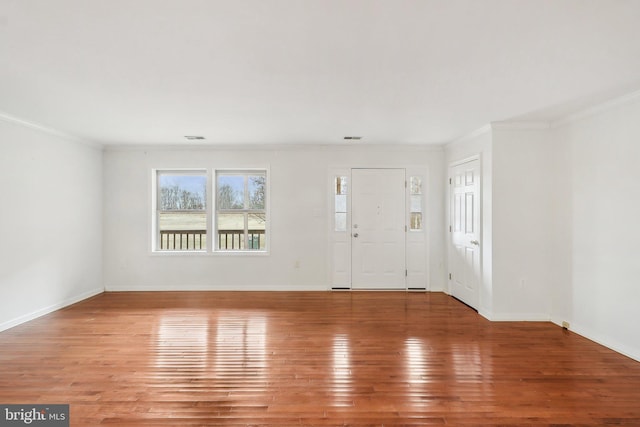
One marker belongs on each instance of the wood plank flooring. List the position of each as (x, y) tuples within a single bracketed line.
[(310, 358)]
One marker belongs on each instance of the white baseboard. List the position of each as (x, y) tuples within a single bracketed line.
[(247, 288), (46, 310), (633, 353), (485, 314), (519, 317)]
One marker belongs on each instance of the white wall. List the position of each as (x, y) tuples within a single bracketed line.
[(560, 244), (525, 217), (479, 144), (299, 183), (602, 298), (50, 225)]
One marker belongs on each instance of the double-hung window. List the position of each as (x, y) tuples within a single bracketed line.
[(186, 218), (241, 214), (181, 210)]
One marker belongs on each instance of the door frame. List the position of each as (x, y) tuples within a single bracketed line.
[(339, 243), (449, 226)]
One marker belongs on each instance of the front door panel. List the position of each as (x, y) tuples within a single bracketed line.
[(378, 229)]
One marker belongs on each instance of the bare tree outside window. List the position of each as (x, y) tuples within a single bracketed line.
[(182, 217), (240, 210)]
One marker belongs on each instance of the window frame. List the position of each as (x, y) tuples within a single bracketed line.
[(244, 172), (156, 211)]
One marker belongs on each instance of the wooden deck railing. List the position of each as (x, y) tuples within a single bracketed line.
[(196, 240), (234, 239), (182, 240)]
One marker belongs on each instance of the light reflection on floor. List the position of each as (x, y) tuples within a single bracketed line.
[(240, 345), (342, 373), (182, 343)]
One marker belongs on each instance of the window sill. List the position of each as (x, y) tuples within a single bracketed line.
[(206, 253), (241, 253)]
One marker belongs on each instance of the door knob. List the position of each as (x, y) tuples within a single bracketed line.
[(355, 234), (475, 242)]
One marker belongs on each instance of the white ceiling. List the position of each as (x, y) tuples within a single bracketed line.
[(308, 71)]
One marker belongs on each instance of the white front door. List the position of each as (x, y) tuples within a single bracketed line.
[(378, 229), (465, 232)]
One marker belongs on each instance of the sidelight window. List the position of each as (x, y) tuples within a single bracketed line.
[(415, 203)]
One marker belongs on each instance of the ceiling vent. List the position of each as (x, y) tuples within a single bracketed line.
[(194, 137), (353, 138)]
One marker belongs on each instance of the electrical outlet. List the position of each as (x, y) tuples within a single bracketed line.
[(565, 325), (296, 264)]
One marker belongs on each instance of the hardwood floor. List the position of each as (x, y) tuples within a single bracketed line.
[(310, 358)]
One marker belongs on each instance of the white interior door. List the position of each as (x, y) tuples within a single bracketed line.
[(465, 233), (378, 229)]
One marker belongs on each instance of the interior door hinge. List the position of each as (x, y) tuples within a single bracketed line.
[(450, 229), (405, 228), (449, 276), (405, 184), (406, 273), (450, 181)]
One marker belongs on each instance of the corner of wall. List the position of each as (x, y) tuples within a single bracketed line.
[(48, 170)]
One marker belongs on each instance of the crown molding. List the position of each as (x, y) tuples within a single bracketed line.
[(276, 147), (597, 109), (532, 125), (47, 130), (471, 135)]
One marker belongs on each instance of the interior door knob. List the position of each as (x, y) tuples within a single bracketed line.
[(475, 242), (355, 234)]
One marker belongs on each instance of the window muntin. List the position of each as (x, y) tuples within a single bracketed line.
[(241, 217), (181, 211)]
